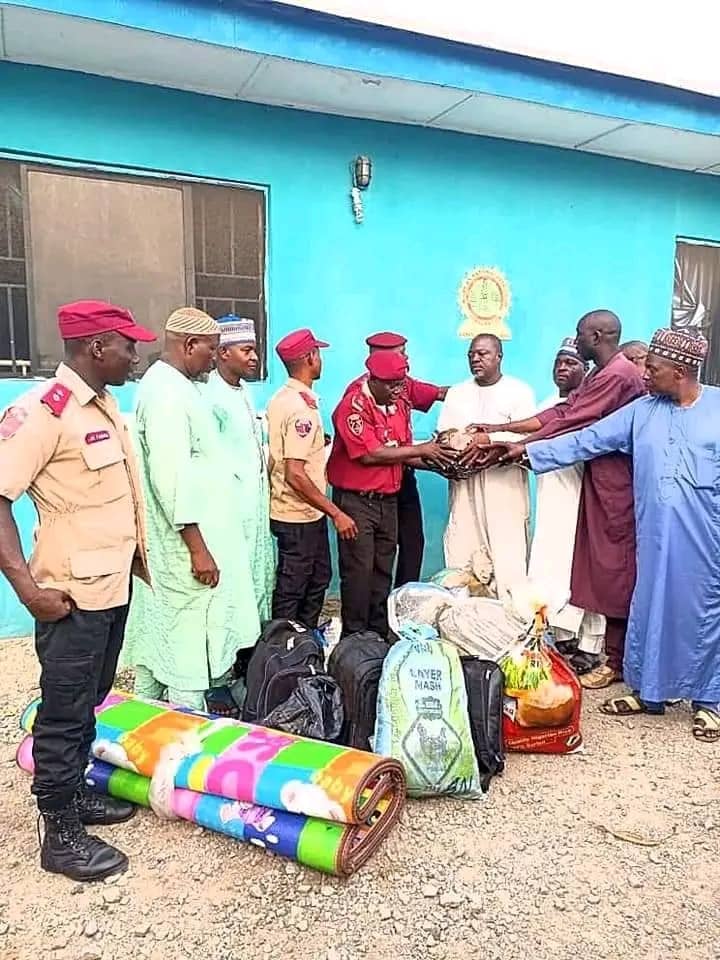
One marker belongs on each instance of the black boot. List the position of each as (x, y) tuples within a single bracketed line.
[(96, 809), (68, 849)]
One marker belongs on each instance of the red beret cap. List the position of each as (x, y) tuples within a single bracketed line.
[(88, 318), (386, 340), (387, 366), (298, 344)]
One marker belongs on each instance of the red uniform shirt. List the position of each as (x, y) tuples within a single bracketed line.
[(417, 394), (362, 427)]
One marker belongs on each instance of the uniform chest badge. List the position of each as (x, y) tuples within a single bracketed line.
[(356, 424), (303, 428), (11, 420), (97, 436)]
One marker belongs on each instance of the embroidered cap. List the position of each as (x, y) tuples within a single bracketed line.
[(684, 348), (568, 348), (191, 321), (236, 331), (88, 318)]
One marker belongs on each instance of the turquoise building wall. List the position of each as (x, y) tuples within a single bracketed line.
[(571, 231)]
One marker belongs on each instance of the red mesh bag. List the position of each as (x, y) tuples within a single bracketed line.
[(543, 698)]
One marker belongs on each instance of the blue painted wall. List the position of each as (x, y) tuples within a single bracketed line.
[(571, 231)]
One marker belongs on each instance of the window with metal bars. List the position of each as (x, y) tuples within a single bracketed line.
[(14, 332), (150, 244)]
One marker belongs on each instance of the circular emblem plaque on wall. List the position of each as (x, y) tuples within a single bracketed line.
[(484, 299)]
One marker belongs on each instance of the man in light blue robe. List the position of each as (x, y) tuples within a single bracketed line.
[(184, 632), (673, 435), (241, 438)]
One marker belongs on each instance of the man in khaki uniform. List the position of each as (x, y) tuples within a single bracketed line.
[(299, 506), (65, 443)]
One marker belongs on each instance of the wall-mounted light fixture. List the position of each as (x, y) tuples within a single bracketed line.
[(361, 170)]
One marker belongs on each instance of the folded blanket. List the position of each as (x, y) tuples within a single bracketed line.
[(325, 806)]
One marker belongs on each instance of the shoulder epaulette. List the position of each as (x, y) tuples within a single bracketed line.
[(56, 399), (309, 399)]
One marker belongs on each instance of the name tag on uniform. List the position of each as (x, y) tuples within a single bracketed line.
[(97, 436)]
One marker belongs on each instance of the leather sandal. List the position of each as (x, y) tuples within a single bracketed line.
[(628, 706), (706, 725), (600, 678)]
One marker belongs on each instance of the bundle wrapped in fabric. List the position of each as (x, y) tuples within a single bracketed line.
[(417, 603), (475, 580), (326, 806), (422, 716), (481, 627), (458, 440)]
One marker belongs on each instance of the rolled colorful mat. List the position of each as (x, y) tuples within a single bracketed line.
[(328, 806), (335, 848)]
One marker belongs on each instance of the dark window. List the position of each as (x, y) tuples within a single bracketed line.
[(149, 244), (14, 333), (229, 242)]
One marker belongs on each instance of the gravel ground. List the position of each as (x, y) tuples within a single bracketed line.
[(548, 867)]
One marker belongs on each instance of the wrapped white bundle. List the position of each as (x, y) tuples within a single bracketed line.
[(418, 603), (481, 627)]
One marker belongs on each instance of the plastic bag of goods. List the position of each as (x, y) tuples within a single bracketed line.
[(422, 716), (313, 709), (543, 698), (417, 603), (481, 627)]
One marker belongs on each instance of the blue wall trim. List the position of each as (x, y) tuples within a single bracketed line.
[(275, 30)]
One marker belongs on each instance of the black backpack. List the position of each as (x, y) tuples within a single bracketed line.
[(484, 683), (285, 652), (356, 663)]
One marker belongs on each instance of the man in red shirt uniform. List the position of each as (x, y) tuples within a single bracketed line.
[(419, 396), (372, 443)]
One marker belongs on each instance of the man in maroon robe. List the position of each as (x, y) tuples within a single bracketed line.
[(603, 573)]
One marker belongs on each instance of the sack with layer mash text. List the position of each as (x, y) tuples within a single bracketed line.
[(422, 716)]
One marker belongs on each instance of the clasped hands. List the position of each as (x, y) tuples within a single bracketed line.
[(482, 453)]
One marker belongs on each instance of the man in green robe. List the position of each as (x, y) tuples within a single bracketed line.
[(241, 435), (185, 631)]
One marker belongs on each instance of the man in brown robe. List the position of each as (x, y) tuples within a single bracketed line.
[(603, 573)]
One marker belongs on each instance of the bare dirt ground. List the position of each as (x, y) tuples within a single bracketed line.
[(613, 853)]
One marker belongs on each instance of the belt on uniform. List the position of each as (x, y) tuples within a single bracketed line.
[(369, 494)]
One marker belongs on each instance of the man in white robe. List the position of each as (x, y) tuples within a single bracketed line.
[(551, 553), (489, 511)]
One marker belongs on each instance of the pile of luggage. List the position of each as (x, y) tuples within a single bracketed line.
[(459, 680)]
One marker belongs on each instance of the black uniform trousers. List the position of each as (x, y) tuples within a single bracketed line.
[(366, 563), (303, 570), (411, 540), (78, 659)]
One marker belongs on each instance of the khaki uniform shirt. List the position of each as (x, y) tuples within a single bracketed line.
[(295, 431), (69, 449)]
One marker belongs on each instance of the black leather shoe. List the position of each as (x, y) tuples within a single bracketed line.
[(583, 663), (69, 850), (96, 809)]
